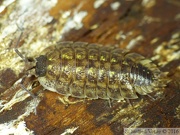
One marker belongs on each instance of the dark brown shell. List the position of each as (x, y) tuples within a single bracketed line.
[(93, 71)]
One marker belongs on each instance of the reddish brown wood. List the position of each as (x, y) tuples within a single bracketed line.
[(157, 21)]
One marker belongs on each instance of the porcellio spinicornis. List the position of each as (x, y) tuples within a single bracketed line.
[(83, 70)]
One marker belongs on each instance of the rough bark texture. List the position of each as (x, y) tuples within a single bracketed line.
[(148, 27)]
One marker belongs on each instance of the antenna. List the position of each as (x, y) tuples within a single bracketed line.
[(26, 61), (16, 46)]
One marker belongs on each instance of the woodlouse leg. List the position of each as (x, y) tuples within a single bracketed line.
[(153, 99), (109, 101), (129, 102), (65, 100)]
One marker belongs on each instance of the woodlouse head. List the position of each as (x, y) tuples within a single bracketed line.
[(41, 65)]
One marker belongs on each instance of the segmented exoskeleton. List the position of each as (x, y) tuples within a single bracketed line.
[(94, 71)]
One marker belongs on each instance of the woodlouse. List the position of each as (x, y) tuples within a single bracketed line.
[(83, 70)]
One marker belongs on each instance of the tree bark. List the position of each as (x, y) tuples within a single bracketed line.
[(150, 28)]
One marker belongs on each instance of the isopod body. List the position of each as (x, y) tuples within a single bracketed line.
[(93, 71)]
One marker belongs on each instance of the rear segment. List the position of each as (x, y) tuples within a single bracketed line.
[(92, 71)]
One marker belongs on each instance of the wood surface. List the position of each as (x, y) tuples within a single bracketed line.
[(148, 27)]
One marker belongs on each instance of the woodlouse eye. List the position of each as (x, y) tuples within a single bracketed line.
[(41, 66)]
